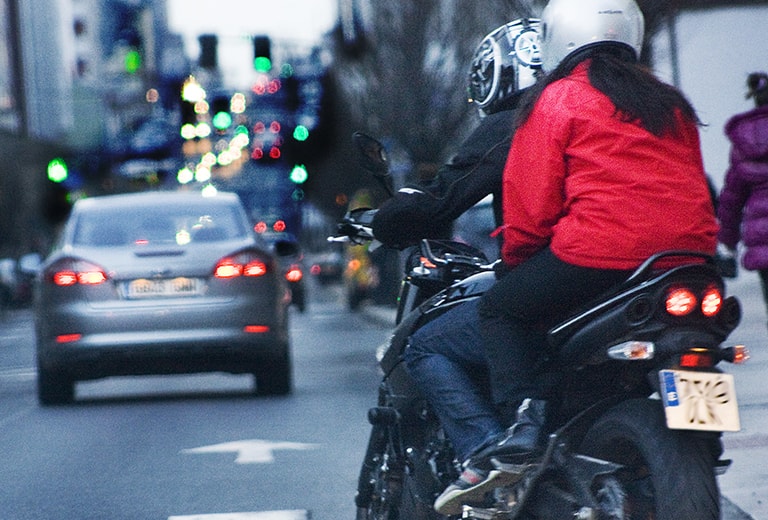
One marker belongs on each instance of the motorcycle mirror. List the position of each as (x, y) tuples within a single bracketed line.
[(373, 156)]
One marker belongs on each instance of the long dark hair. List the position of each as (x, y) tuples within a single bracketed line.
[(635, 92)]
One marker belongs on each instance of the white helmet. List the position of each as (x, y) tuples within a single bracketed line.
[(504, 64), (570, 25)]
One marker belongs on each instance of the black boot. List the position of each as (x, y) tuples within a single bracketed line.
[(524, 439)]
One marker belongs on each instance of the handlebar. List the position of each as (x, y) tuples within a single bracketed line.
[(355, 227)]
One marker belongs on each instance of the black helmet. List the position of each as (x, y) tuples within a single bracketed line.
[(505, 63)]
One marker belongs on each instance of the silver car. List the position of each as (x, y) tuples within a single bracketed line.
[(160, 283)]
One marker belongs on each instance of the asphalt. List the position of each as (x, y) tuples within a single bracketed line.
[(744, 487)]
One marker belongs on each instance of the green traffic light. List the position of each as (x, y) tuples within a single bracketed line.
[(57, 170), (262, 64), (301, 133), (222, 120), (132, 61), (299, 174)]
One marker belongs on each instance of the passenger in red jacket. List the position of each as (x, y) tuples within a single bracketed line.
[(605, 170)]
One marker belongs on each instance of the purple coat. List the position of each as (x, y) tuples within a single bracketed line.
[(743, 210)]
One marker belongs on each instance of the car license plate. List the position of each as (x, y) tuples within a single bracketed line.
[(170, 287), (699, 400)]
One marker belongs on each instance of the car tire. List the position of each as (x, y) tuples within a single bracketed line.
[(54, 388), (274, 377)]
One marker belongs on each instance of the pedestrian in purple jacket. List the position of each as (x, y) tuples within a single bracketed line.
[(743, 209)]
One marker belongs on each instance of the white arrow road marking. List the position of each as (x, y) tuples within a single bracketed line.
[(254, 451), (264, 515)]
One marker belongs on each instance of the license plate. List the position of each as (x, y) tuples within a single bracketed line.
[(699, 400), (171, 287)]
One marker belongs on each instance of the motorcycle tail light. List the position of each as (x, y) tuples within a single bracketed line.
[(697, 359), (680, 301), (711, 302), (354, 265), (632, 351), (244, 264)]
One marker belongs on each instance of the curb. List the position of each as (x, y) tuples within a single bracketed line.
[(730, 511)]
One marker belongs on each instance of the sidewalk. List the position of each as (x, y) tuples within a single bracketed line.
[(746, 483), (744, 487)]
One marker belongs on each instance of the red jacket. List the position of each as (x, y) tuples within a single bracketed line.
[(601, 192)]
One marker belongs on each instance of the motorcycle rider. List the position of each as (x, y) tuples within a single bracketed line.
[(613, 174), (445, 357)]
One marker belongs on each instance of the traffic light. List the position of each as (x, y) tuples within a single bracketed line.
[(300, 133), (262, 56), (220, 113), (299, 174), (132, 61), (208, 51), (57, 170)]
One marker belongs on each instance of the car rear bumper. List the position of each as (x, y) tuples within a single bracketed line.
[(129, 354), (88, 343)]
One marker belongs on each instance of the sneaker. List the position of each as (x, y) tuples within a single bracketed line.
[(471, 486)]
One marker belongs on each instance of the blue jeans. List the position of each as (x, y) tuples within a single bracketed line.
[(446, 359)]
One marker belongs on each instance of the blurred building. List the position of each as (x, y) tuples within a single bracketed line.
[(77, 79)]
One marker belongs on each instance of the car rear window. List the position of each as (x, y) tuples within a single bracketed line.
[(180, 225)]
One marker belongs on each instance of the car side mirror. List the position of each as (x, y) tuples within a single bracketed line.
[(30, 263)]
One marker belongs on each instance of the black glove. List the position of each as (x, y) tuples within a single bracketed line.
[(725, 261)]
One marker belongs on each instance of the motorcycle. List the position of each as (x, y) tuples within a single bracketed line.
[(635, 430)]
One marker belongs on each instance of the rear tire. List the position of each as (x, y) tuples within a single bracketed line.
[(667, 476), (275, 377), (53, 388)]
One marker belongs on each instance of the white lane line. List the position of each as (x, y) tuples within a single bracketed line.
[(22, 373), (297, 514)]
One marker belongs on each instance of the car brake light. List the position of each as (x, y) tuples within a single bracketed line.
[(256, 329), (92, 277), (69, 272), (680, 301), (68, 338), (294, 273), (255, 268), (227, 269), (711, 302), (243, 264), (64, 278)]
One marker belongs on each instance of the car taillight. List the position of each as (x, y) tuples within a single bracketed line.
[(294, 273), (243, 264), (70, 272), (68, 338)]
